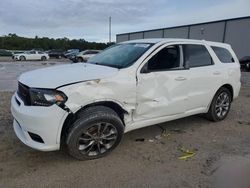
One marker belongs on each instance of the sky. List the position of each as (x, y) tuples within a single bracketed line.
[(88, 19)]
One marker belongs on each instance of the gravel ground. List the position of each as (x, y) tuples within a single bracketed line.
[(150, 163), (145, 157)]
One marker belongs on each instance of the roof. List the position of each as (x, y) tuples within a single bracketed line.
[(167, 40)]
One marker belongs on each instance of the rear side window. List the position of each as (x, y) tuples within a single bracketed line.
[(223, 54), (196, 55)]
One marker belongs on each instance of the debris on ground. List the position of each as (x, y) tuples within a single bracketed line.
[(179, 131), (243, 123), (186, 154), (158, 137), (140, 139)]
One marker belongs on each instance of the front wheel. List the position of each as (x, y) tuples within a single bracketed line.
[(220, 105), (96, 132)]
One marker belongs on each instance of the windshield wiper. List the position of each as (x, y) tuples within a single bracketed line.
[(108, 65)]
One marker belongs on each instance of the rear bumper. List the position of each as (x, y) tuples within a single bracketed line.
[(46, 122)]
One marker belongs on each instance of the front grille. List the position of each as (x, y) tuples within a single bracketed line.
[(23, 93)]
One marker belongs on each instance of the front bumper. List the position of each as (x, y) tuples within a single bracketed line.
[(46, 122)]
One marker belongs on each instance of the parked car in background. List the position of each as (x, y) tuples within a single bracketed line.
[(84, 55), (245, 63), (5, 53), (56, 53), (71, 52), (31, 55), (86, 108)]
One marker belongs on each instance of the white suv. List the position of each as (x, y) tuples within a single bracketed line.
[(86, 108)]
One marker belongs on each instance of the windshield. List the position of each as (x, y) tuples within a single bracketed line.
[(120, 55)]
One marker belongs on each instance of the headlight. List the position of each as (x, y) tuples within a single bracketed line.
[(47, 97)]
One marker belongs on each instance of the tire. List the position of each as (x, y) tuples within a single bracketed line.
[(43, 58), (22, 58), (220, 105), (96, 132), (79, 59)]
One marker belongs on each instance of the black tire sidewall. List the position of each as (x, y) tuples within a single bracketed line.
[(83, 124)]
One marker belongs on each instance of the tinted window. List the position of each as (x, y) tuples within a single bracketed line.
[(32, 52), (92, 52), (223, 54), (87, 52), (196, 55), (167, 58)]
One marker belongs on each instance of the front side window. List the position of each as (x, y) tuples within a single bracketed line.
[(196, 55), (167, 58), (223, 54), (120, 55)]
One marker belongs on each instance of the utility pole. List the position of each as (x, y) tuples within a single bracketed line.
[(110, 29)]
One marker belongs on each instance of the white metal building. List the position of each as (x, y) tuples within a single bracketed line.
[(234, 31)]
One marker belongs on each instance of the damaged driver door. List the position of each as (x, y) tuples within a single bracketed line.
[(162, 88)]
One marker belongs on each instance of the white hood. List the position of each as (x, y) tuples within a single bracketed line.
[(57, 76)]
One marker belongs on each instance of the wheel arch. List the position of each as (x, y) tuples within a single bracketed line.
[(230, 88), (71, 118)]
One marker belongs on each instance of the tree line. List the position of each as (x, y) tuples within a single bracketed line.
[(15, 42)]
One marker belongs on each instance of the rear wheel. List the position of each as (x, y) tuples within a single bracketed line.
[(22, 58), (220, 105), (96, 132), (43, 58)]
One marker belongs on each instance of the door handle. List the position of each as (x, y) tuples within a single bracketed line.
[(180, 78), (216, 73)]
